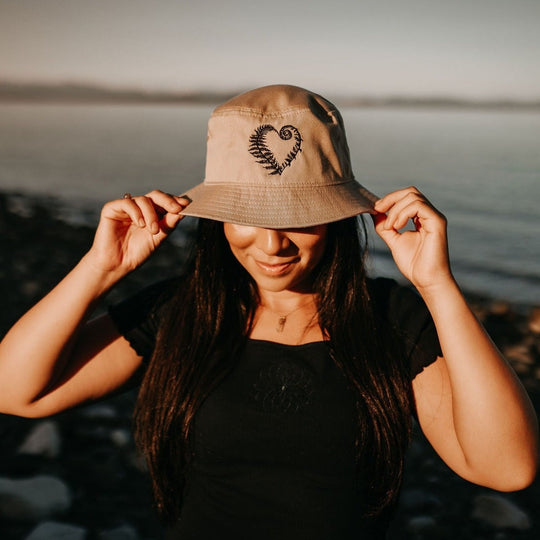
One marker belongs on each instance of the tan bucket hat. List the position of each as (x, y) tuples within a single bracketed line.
[(277, 157)]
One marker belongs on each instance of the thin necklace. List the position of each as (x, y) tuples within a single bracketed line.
[(282, 319)]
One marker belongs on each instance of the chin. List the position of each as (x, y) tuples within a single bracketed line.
[(274, 285)]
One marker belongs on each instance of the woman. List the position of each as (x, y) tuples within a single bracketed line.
[(278, 381)]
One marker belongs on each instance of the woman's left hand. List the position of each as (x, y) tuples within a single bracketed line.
[(470, 404), (420, 254)]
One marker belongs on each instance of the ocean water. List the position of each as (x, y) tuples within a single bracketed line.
[(480, 168)]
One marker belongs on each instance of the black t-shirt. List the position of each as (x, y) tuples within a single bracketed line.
[(273, 444)]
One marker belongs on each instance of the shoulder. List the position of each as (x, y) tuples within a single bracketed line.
[(391, 299), (147, 300), (401, 313), (138, 316)]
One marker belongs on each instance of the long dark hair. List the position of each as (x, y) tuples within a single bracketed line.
[(206, 323)]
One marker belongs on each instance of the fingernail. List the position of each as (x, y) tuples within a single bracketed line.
[(141, 223)]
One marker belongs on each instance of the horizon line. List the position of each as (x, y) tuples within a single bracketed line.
[(79, 91)]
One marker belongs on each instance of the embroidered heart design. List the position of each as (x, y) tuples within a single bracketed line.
[(259, 149)]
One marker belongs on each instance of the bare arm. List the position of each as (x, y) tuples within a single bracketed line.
[(471, 405), (52, 359)]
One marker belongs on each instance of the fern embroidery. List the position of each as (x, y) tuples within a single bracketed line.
[(264, 156)]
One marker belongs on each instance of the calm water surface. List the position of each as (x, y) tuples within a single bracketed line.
[(480, 168)]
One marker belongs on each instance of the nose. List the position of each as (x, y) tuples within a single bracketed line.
[(272, 241)]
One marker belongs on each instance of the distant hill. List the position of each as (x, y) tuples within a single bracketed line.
[(86, 93)]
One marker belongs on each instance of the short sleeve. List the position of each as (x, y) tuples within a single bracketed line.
[(403, 308), (137, 317)]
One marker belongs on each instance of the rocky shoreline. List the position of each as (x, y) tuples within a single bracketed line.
[(77, 475)]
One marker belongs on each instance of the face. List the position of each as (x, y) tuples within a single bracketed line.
[(278, 259)]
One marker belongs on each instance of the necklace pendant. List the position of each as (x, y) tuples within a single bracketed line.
[(281, 323)]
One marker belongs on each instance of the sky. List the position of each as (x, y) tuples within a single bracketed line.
[(462, 48)]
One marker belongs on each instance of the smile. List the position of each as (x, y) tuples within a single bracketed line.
[(275, 269)]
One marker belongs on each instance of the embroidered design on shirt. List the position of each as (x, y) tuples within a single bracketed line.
[(283, 388), (268, 153)]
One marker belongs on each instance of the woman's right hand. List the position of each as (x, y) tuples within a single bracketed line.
[(51, 359), (131, 229)]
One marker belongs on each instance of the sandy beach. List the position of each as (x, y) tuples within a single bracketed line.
[(88, 455)]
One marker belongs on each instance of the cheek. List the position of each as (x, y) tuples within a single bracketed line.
[(316, 255), (315, 245), (239, 236)]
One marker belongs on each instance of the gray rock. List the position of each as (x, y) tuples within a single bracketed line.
[(120, 437), (135, 459), (124, 532), (30, 288), (50, 530), (94, 432), (33, 499), (99, 411), (422, 525), (500, 513), (415, 500), (43, 440)]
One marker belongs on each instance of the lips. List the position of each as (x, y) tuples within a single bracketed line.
[(275, 269)]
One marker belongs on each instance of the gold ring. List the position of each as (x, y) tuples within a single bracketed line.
[(126, 196)]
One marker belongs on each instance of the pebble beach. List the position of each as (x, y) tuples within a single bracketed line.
[(78, 476)]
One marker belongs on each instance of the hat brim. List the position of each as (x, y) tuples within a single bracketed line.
[(273, 207)]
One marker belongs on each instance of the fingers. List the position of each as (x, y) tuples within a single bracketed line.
[(384, 203), (388, 235), (405, 204), (154, 211), (165, 201), (160, 210)]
